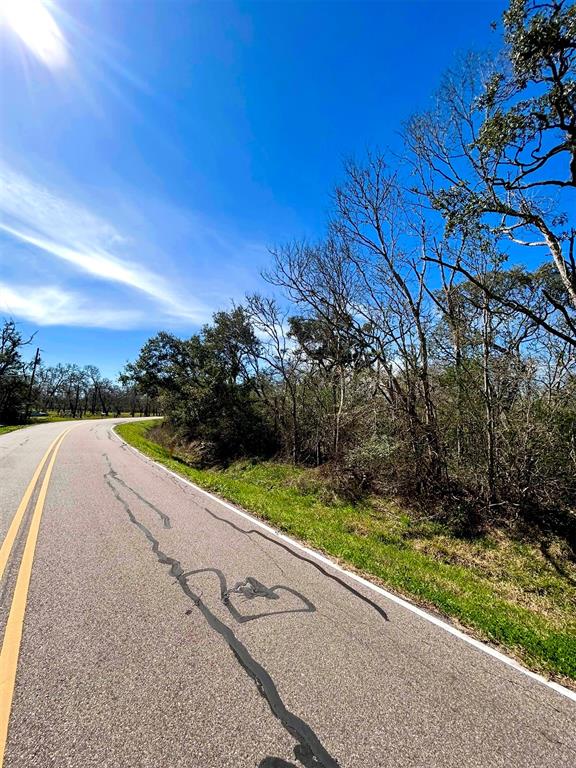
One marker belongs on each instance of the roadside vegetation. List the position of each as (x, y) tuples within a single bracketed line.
[(34, 393), (4, 430), (501, 586), (404, 397)]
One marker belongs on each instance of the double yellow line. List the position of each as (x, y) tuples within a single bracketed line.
[(13, 633)]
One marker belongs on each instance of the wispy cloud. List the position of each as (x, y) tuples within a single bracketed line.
[(45, 220), (52, 305)]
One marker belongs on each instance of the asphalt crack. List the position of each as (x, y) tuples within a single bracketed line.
[(309, 750), (350, 588), (162, 515), (251, 588)]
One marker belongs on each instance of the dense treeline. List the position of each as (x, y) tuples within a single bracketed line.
[(411, 349), (28, 387)]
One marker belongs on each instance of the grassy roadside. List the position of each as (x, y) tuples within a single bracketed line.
[(5, 429), (506, 591)]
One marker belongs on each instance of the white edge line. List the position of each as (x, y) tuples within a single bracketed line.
[(374, 587)]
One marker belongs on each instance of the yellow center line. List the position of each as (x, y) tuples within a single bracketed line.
[(13, 634), (8, 542)]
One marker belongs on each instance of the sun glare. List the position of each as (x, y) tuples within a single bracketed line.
[(34, 24)]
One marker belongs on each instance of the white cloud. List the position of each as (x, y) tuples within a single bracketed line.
[(35, 215), (51, 305)]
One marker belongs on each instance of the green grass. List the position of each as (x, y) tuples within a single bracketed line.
[(504, 590), (5, 429)]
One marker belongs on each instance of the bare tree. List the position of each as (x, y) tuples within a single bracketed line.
[(488, 155)]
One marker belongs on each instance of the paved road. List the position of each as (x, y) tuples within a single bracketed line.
[(163, 630)]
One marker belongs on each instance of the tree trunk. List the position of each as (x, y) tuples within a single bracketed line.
[(489, 406)]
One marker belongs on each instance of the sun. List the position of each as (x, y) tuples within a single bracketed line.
[(34, 24)]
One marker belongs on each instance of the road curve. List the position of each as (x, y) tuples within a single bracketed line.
[(163, 630)]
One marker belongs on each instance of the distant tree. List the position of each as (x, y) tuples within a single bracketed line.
[(13, 379), (207, 384), (157, 369)]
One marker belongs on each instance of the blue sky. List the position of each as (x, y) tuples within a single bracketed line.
[(151, 151)]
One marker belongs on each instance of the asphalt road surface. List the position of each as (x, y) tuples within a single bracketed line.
[(151, 626)]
